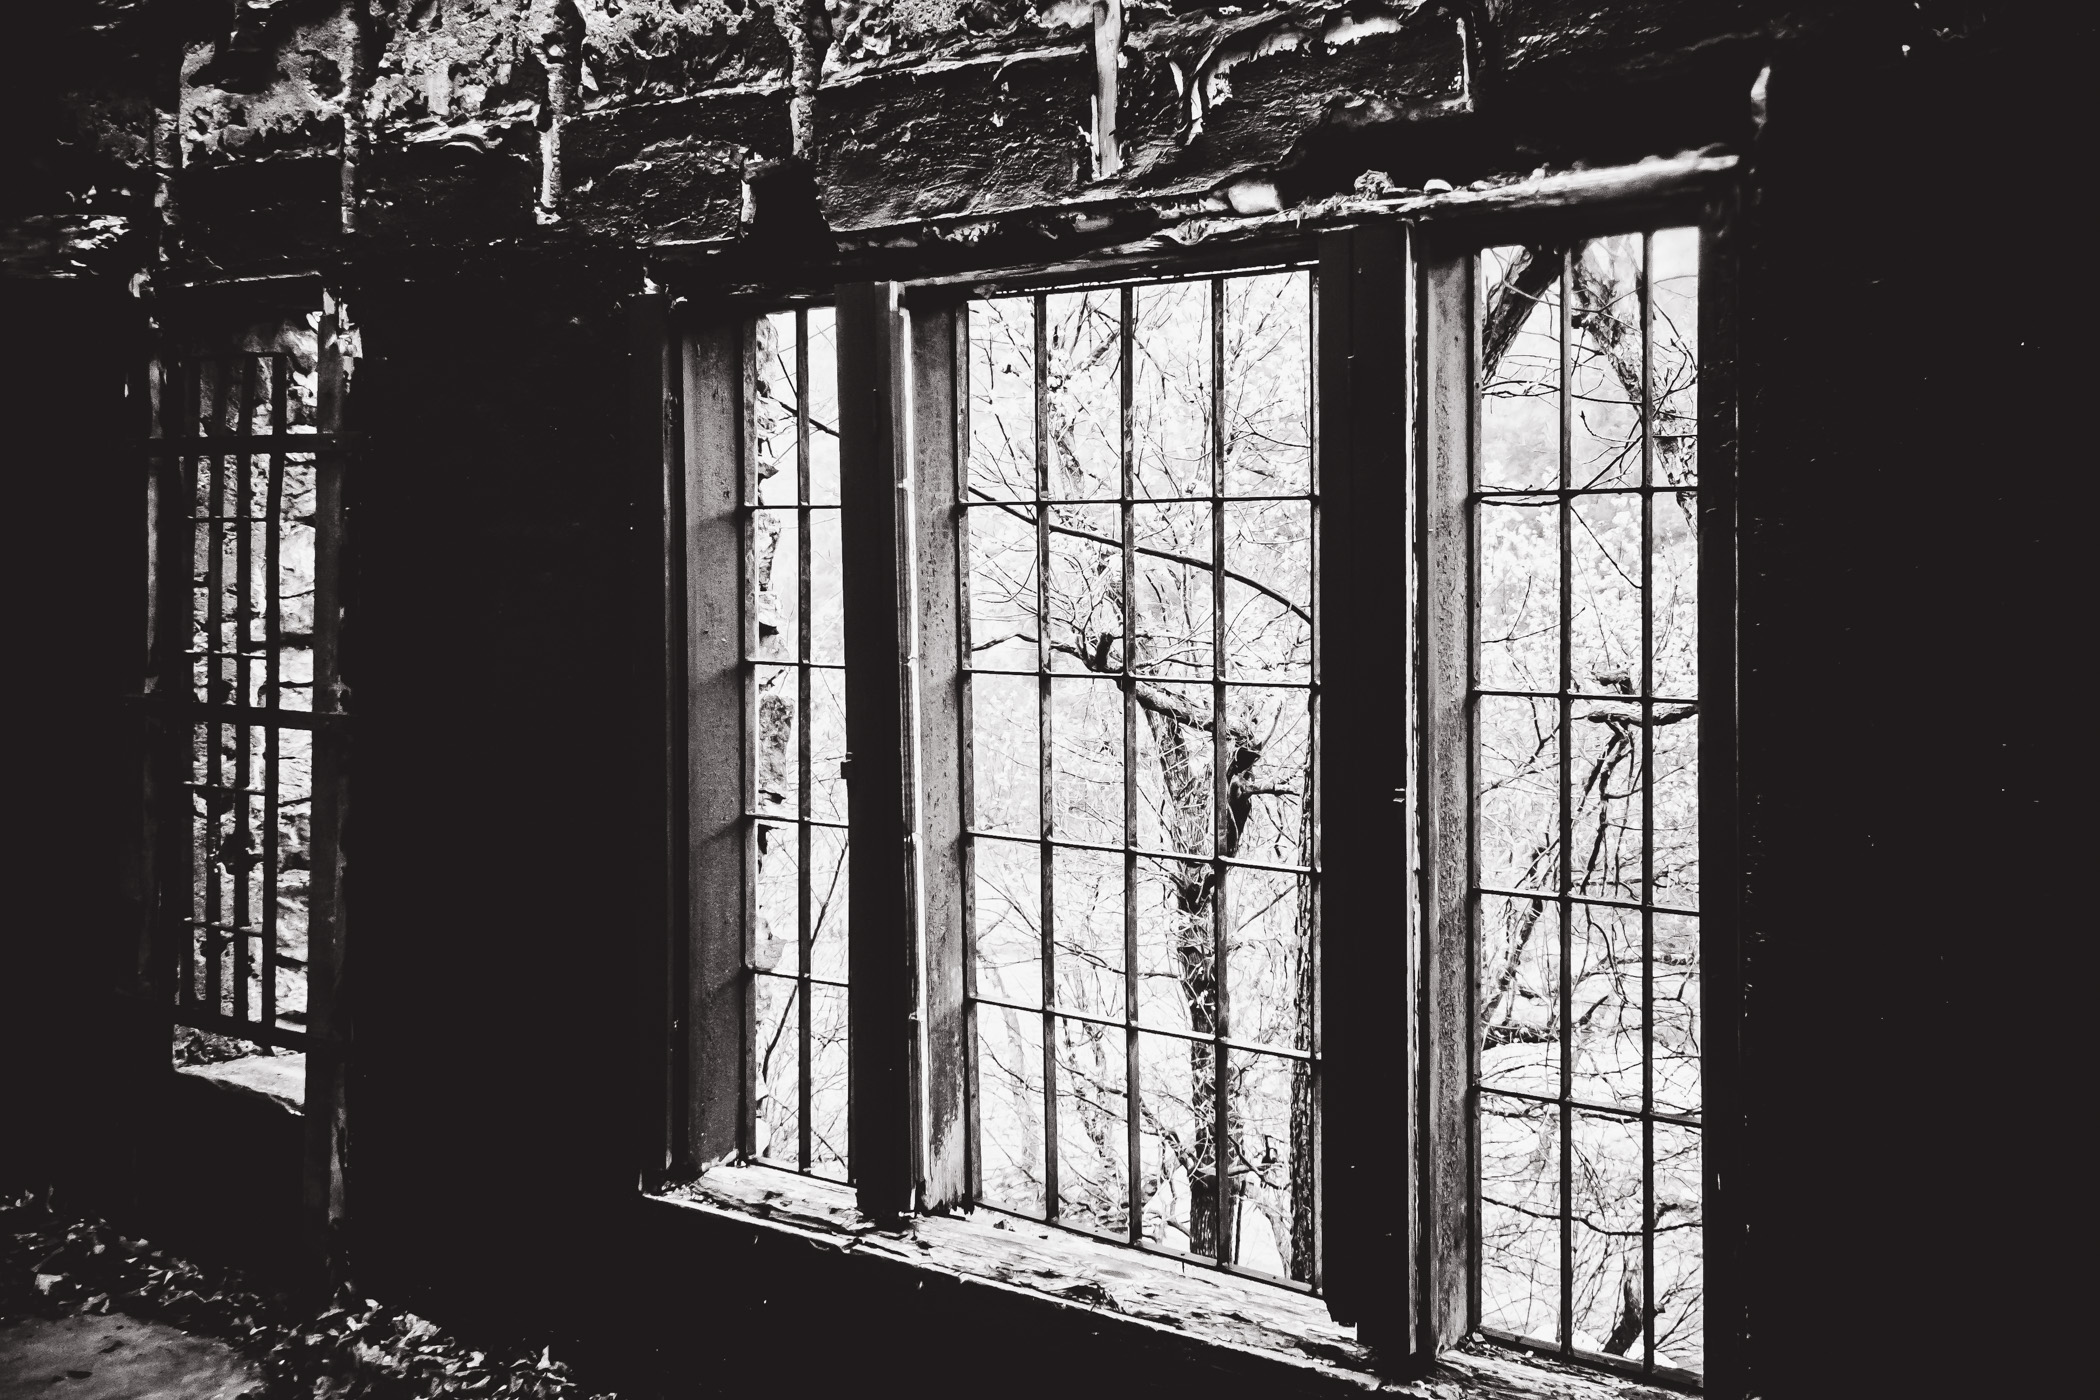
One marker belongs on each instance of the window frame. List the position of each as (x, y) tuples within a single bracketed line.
[(191, 325), (1399, 1262)]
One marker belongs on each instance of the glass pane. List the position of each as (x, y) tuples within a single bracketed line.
[(1175, 1125), (1175, 939), (1675, 522), (823, 407), (776, 1053), (1087, 888), (1606, 1201), (1520, 994), (1086, 588), (1677, 1021), (776, 568), (1520, 369), (827, 581), (1604, 364), (1268, 758), (1008, 899), (1093, 1143), (1518, 813), (1170, 397), (1680, 1284), (1002, 579), (1268, 384), (1174, 759), (1010, 1109), (776, 705), (773, 423), (1267, 947), (1675, 331), (1606, 781), (1605, 1021), (1002, 399), (1174, 600), (1677, 808), (1086, 760), (827, 903), (1518, 603), (1271, 1125), (776, 933), (827, 744), (1005, 744), (1520, 1217), (1604, 611), (829, 1074), (1268, 591), (1084, 370)]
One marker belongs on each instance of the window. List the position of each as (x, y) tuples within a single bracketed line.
[(1581, 509), (1137, 525), (246, 505), (795, 737), (1275, 708)]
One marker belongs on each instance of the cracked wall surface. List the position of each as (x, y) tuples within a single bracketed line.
[(219, 138)]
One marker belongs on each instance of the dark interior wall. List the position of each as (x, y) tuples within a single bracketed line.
[(1908, 308), (1905, 580), (493, 840), (76, 517)]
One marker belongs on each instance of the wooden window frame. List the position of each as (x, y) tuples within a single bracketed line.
[(1396, 1188)]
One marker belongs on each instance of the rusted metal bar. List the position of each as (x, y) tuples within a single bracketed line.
[(1224, 839), (1133, 1069), (803, 785), (1045, 738), (273, 675), (1567, 815)]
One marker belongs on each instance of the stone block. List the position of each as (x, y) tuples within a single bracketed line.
[(976, 138), (670, 170)]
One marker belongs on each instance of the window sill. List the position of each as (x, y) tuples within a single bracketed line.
[(275, 1079), (1235, 1319)]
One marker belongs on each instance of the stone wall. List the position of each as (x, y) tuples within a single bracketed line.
[(215, 137)]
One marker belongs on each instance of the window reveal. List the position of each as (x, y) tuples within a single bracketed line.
[(795, 747), (240, 587), (1585, 812), (1138, 522)]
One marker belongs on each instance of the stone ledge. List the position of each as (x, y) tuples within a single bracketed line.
[(278, 1079), (1242, 1321)]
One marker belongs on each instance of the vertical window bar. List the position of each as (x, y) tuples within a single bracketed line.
[(242, 851), (804, 995), (1044, 736), (1567, 816), (273, 642), (1647, 312), (1133, 1093), (1222, 839), (187, 397), (214, 638), (748, 723), (966, 732)]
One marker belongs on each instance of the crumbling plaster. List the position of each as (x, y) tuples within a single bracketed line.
[(694, 124)]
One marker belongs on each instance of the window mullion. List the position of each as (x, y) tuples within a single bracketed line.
[(875, 535)]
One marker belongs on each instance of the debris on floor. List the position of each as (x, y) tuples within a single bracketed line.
[(68, 1281)]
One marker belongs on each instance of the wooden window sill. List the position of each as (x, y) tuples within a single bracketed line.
[(1260, 1324)]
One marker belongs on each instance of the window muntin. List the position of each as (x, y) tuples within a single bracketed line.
[(795, 747), (1138, 524), (1585, 811), (242, 583)]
